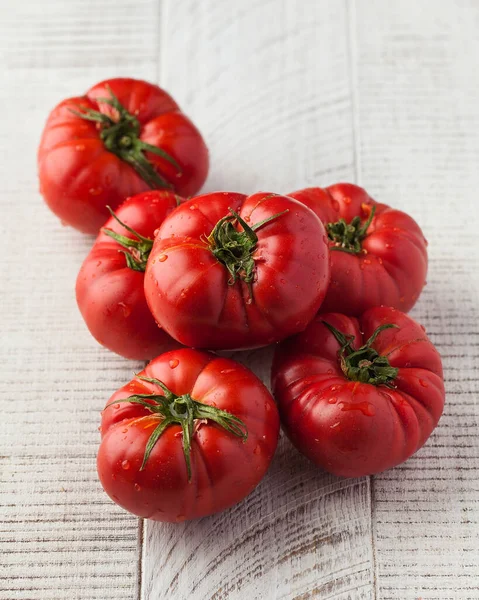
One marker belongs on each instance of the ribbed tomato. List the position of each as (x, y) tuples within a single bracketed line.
[(378, 254), (235, 271), (110, 285), (123, 137), (358, 396), (189, 436)]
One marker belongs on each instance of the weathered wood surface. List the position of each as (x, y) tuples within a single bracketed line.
[(60, 536), (288, 94), (269, 83), (418, 121)]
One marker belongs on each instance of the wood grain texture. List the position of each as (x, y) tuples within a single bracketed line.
[(60, 537), (419, 149), (288, 94), (269, 84)]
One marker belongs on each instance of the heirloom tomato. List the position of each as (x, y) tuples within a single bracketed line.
[(123, 137), (358, 396), (189, 436), (230, 271), (109, 288), (378, 253)]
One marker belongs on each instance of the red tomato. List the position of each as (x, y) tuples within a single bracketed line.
[(123, 137), (235, 271), (359, 396), (109, 289), (191, 435), (378, 254)]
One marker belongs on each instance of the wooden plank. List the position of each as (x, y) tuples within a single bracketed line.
[(417, 91), (61, 537), (269, 85)]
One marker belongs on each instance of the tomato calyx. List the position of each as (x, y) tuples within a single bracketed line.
[(121, 136), (234, 249), (365, 364), (347, 237), (137, 250), (185, 411)]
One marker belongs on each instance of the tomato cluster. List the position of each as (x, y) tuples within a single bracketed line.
[(325, 274)]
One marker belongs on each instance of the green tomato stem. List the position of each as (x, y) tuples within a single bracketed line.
[(122, 138), (184, 411), (365, 364)]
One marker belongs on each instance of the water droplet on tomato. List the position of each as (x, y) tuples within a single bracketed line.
[(125, 430), (116, 406), (137, 487), (329, 371), (174, 362), (402, 299), (389, 246), (249, 301), (125, 308), (95, 191), (155, 233), (366, 408), (247, 218), (100, 428), (180, 517), (267, 407), (347, 200), (332, 400), (257, 449), (367, 261), (424, 383), (162, 257), (80, 147), (193, 206), (125, 465)]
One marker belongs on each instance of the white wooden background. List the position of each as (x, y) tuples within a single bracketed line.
[(288, 94)]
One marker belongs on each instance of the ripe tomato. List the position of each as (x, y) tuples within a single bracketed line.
[(109, 287), (235, 271), (191, 435), (378, 254), (123, 137), (359, 396)]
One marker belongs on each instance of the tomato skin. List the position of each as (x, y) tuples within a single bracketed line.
[(189, 291), (350, 428), (79, 177), (391, 270), (110, 295), (224, 468)]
